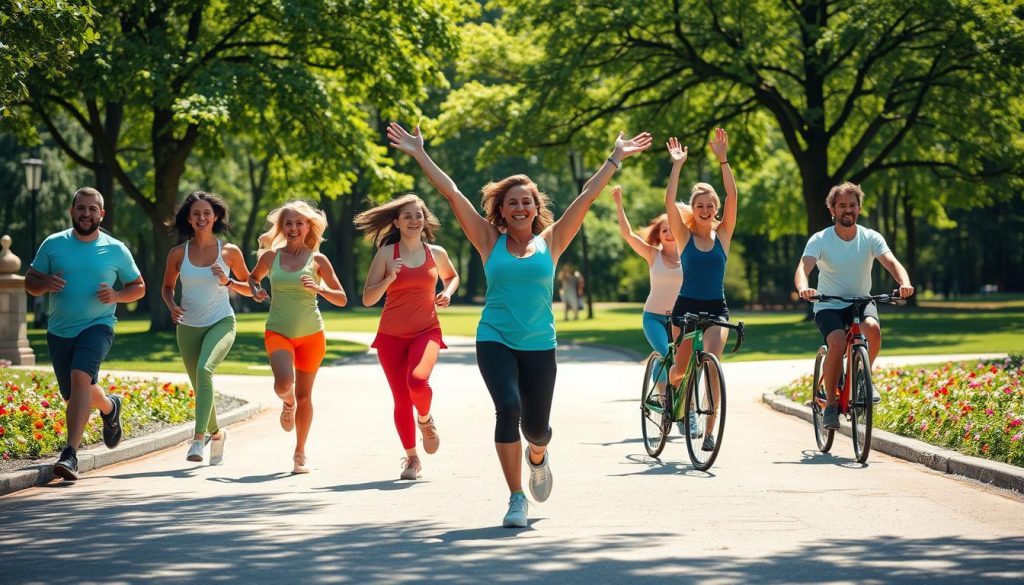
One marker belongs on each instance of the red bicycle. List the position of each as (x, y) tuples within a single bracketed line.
[(855, 389)]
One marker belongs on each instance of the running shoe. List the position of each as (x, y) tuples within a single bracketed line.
[(217, 448), (67, 464), (112, 423), (195, 451), (301, 465), (709, 443), (410, 468), (431, 441), (830, 418), (287, 417), (516, 515), (540, 477)]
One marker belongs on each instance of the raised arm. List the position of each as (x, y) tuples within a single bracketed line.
[(720, 146), (560, 234), (680, 233), (626, 231), (480, 232)]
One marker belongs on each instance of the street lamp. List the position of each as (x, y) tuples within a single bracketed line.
[(33, 179), (579, 174)]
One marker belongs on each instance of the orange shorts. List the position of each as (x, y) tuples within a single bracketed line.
[(307, 351)]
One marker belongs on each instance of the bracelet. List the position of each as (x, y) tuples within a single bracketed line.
[(724, 162), (617, 164), (227, 284)]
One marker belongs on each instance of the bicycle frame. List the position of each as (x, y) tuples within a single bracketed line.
[(854, 338)]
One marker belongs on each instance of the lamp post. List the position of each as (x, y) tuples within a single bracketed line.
[(579, 174), (33, 180)]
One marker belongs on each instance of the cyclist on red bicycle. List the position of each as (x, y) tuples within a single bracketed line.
[(844, 255)]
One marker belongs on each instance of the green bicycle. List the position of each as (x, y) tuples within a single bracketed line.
[(700, 407)]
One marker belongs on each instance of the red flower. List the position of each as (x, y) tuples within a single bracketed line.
[(3, 411), (10, 398), (984, 448), (39, 424), (13, 387), (2, 431), (1016, 422), (45, 403), (23, 408), (993, 369), (38, 436)]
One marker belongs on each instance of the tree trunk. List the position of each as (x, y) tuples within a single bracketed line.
[(911, 228), (103, 173)]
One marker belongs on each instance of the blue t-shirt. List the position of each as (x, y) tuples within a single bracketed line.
[(83, 265), (517, 307)]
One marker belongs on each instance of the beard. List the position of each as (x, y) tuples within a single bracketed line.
[(85, 231), (846, 220)]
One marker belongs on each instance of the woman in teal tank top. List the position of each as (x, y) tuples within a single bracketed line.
[(294, 337), (519, 243)]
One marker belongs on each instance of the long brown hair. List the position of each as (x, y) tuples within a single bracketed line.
[(379, 223), (494, 196)]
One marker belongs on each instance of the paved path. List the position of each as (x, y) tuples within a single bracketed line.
[(772, 510)]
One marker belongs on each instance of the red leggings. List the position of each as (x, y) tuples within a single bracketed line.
[(407, 369)]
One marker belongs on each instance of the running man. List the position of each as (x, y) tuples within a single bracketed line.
[(78, 268), (844, 255)]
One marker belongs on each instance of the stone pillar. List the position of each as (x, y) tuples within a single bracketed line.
[(13, 328)]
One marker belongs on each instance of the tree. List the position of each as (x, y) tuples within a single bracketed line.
[(295, 77)]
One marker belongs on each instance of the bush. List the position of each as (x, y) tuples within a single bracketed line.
[(32, 422), (976, 409)]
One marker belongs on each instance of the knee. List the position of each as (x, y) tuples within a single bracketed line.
[(283, 386), (836, 342), (538, 437), (871, 329)]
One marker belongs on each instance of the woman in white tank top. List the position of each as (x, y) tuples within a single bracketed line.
[(205, 320)]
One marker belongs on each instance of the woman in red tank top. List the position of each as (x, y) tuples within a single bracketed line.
[(408, 338)]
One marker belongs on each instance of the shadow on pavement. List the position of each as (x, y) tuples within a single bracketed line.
[(813, 457), (390, 485), (161, 539)]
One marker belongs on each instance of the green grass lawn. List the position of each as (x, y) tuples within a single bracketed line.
[(982, 326)]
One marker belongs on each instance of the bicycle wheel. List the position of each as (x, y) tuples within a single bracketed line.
[(705, 397), (655, 412), (822, 435), (860, 404)]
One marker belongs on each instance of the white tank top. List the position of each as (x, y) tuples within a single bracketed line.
[(665, 284), (205, 301)]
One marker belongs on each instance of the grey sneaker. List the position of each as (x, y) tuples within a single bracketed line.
[(875, 396), (830, 418), (411, 468), (540, 477), (195, 451), (67, 464), (709, 443), (217, 448), (516, 515)]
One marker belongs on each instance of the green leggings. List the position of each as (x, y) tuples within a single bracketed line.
[(202, 350)]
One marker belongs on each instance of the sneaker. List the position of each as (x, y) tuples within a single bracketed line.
[(217, 448), (430, 439), (195, 451), (709, 443), (67, 464), (112, 423), (287, 417), (540, 477), (695, 431), (875, 396), (411, 468), (830, 418), (301, 465), (516, 515)]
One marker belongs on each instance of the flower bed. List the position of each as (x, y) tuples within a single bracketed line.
[(974, 408), (32, 422)]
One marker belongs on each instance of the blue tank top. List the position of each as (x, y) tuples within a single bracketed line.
[(517, 307), (705, 272)]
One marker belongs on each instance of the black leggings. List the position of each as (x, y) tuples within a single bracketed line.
[(522, 384)]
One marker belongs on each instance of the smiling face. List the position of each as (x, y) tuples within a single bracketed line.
[(519, 208), (86, 214), (294, 226), (665, 233), (410, 220), (705, 207), (201, 216), (845, 209)]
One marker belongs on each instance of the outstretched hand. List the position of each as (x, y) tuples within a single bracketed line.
[(627, 148), (720, 145), (617, 195), (677, 153), (408, 143)]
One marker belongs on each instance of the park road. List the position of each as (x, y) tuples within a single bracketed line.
[(771, 510)]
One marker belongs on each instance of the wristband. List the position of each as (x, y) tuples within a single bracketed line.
[(724, 162), (617, 164)]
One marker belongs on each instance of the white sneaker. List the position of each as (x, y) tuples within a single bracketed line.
[(540, 477), (217, 448), (195, 452), (517, 510)]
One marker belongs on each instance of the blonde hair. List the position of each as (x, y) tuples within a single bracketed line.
[(494, 196), (274, 237), (379, 222), (686, 211)]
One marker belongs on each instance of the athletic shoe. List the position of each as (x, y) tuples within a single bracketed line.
[(217, 448), (695, 430), (830, 418), (431, 441), (301, 465), (410, 468), (516, 515), (875, 396), (67, 464), (709, 443), (287, 417), (195, 451), (112, 423), (540, 477)]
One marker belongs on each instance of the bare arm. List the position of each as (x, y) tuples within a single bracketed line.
[(235, 260), (383, 271), (720, 146), (446, 272), (171, 271), (132, 291), (480, 232), (803, 270), (38, 284), (626, 231), (330, 287), (898, 272), (260, 271), (680, 233), (560, 234)]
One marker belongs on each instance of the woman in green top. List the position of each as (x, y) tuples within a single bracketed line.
[(294, 337)]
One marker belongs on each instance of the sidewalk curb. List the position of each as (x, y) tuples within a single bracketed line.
[(96, 457), (1001, 475)]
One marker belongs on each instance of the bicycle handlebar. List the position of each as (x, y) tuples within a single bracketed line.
[(705, 321), (890, 298)]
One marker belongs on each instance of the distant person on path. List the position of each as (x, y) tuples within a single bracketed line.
[(519, 244), (408, 338), (844, 255), (205, 320), (294, 337), (78, 267), (702, 242), (571, 287)]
